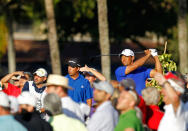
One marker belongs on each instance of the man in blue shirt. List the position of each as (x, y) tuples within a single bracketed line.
[(135, 70), (82, 92)]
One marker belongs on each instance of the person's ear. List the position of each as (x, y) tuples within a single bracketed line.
[(133, 58)]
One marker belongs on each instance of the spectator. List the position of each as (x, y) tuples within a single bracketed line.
[(59, 121), (152, 96), (135, 70), (12, 89), (37, 87), (59, 85), (28, 116), (129, 84), (128, 121), (105, 117), (175, 117), (7, 121), (92, 75), (24, 78), (81, 87)]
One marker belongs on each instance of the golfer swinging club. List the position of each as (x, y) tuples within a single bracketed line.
[(135, 70)]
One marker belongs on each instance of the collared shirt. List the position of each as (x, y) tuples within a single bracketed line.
[(71, 108), (39, 93), (105, 118), (169, 122), (139, 76), (64, 123), (81, 89), (129, 120), (8, 123)]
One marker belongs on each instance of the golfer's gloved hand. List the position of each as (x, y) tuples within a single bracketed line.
[(153, 52)]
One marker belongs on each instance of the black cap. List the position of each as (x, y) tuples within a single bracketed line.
[(74, 62)]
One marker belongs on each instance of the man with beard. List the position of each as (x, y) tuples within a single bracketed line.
[(28, 116), (36, 87)]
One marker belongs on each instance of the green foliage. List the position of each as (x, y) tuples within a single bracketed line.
[(168, 65)]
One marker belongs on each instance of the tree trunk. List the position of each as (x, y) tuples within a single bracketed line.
[(182, 36), (104, 37), (11, 49), (52, 38)]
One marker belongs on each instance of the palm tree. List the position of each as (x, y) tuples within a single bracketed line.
[(52, 38), (104, 37), (182, 36)]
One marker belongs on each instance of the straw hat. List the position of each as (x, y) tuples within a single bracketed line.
[(58, 80)]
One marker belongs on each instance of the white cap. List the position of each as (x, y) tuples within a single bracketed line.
[(27, 98), (41, 72), (104, 86), (127, 52), (4, 100)]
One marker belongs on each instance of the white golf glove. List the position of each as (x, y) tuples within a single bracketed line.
[(153, 52)]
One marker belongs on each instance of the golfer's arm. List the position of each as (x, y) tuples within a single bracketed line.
[(136, 64), (158, 67)]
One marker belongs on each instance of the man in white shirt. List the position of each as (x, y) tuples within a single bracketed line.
[(59, 85), (105, 117), (174, 118)]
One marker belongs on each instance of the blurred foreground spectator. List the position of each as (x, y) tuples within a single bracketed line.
[(151, 97), (28, 116), (105, 117), (59, 85), (59, 121), (7, 121)]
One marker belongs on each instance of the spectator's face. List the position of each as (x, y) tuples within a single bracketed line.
[(127, 60), (39, 80), (99, 96), (90, 78), (22, 82), (54, 89), (165, 96), (17, 83), (25, 107), (73, 70), (124, 101)]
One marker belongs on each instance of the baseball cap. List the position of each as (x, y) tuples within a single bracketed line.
[(41, 72), (128, 84), (4, 100), (27, 98), (74, 62), (89, 73), (127, 52), (104, 86)]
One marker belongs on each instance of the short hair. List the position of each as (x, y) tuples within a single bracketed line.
[(151, 95), (52, 103)]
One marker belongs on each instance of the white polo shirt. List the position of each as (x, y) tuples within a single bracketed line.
[(169, 122)]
